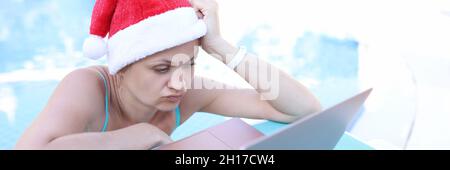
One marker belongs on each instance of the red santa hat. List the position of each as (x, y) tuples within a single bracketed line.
[(139, 28)]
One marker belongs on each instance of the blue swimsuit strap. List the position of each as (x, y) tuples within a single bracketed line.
[(105, 124), (178, 116)]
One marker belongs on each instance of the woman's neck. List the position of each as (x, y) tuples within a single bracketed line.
[(129, 107)]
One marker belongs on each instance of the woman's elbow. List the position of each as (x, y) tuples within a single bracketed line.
[(21, 146), (311, 108), (31, 144), (315, 107)]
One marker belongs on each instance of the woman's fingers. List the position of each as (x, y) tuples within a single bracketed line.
[(196, 4), (198, 8), (165, 139), (208, 11), (204, 5), (199, 15)]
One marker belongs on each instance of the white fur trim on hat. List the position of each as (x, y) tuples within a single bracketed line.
[(152, 35), (94, 47)]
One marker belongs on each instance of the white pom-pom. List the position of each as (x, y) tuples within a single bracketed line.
[(94, 47)]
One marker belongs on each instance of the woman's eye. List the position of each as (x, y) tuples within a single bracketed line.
[(165, 69), (162, 70)]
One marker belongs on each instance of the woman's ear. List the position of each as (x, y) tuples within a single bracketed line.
[(198, 42), (120, 75), (121, 72)]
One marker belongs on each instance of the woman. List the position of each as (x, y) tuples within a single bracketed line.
[(141, 97)]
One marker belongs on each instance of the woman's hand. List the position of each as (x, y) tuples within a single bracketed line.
[(164, 139), (155, 133), (208, 11)]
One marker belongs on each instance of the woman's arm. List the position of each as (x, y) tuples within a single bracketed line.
[(244, 103), (77, 101), (139, 136), (285, 99), (283, 92)]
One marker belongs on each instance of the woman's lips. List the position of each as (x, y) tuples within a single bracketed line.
[(173, 98)]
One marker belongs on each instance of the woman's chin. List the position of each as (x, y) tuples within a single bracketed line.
[(167, 106)]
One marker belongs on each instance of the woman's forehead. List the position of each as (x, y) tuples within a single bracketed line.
[(187, 50)]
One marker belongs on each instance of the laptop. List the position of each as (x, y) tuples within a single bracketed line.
[(317, 131)]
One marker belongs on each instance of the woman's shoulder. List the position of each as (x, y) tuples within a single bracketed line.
[(82, 89), (75, 103), (89, 81), (91, 75), (83, 79)]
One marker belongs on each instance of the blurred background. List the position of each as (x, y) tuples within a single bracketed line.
[(401, 48)]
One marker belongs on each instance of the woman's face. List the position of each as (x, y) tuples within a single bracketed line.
[(161, 80)]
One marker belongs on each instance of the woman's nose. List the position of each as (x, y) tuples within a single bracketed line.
[(177, 81)]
